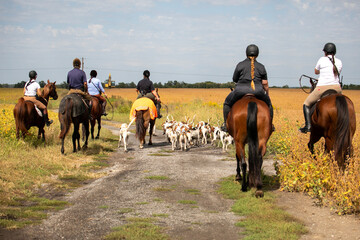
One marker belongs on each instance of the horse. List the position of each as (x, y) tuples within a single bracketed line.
[(26, 115), (334, 119), (73, 109), (96, 113), (249, 122)]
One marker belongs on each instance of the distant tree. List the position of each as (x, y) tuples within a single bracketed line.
[(42, 84), (285, 86), (20, 84), (63, 85)]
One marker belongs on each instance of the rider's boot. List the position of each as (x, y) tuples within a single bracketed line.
[(272, 117), (158, 107), (307, 127), (104, 113), (226, 110), (89, 109), (46, 119)]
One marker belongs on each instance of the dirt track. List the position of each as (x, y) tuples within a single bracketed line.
[(97, 207)]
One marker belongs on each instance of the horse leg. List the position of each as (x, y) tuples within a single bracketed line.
[(62, 146), (151, 131), (86, 124), (314, 138), (99, 127), (92, 126), (75, 137), (240, 159)]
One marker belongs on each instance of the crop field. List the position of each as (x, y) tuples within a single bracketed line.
[(298, 170)]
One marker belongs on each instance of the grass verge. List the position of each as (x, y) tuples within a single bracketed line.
[(138, 229), (263, 219)]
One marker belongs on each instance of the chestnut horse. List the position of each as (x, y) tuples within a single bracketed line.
[(72, 109), (334, 119), (249, 123), (26, 115), (143, 119)]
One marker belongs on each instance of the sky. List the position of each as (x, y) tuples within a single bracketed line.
[(184, 40)]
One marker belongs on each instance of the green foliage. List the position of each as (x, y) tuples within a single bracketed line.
[(263, 219)]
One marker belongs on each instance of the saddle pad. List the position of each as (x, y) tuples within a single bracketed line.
[(79, 106), (143, 103)]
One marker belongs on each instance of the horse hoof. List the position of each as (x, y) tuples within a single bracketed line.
[(238, 178), (259, 193), (141, 146), (244, 189), (150, 143), (97, 137)]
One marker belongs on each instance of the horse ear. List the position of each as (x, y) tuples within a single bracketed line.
[(157, 89), (54, 82), (48, 81)]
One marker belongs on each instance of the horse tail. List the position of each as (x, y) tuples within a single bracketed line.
[(65, 118), (343, 136), (140, 128), (20, 114), (253, 142)]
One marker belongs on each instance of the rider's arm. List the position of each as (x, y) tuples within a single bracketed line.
[(85, 87), (38, 92), (317, 71), (156, 95), (266, 86)]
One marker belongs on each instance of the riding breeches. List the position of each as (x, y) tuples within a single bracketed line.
[(83, 94), (318, 91), (148, 95), (39, 104)]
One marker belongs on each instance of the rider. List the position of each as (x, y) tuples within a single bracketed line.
[(145, 88), (31, 90), (250, 77), (329, 68), (95, 89), (76, 79)]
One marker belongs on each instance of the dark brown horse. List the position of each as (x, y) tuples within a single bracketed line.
[(249, 123), (96, 113), (73, 109), (26, 115), (334, 119)]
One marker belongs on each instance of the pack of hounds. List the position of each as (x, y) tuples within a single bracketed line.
[(185, 134)]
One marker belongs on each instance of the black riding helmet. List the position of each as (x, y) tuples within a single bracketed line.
[(330, 48), (252, 50), (93, 73), (146, 73), (32, 74)]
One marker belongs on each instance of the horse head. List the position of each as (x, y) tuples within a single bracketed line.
[(50, 90)]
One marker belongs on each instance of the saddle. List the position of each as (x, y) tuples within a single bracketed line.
[(39, 111), (325, 94), (79, 104)]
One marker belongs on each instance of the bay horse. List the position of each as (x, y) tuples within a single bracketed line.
[(26, 115), (96, 113), (334, 119), (249, 123), (73, 109)]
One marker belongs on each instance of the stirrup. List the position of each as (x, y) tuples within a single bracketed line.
[(223, 127), (305, 129)]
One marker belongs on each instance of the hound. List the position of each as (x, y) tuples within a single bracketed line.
[(124, 134), (227, 141)]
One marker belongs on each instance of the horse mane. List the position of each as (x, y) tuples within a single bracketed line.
[(343, 136), (140, 128)]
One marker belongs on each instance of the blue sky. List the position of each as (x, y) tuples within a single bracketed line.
[(190, 41)]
